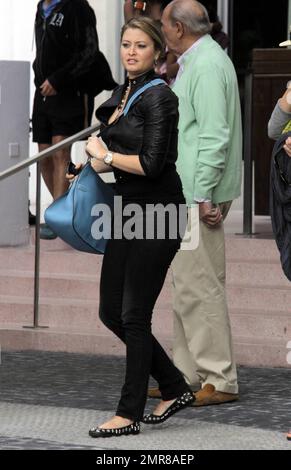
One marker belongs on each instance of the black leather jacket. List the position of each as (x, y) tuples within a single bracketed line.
[(150, 130)]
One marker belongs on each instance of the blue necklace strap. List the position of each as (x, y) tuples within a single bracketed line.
[(157, 81)]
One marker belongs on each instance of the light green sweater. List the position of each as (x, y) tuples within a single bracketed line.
[(210, 135)]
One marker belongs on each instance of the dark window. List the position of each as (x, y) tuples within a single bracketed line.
[(211, 6), (257, 25)]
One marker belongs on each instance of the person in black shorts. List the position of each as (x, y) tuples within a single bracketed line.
[(66, 44)]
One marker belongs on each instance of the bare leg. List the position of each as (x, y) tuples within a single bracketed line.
[(162, 407), (47, 168), (60, 162), (115, 423)]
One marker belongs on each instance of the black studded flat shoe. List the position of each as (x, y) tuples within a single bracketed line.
[(184, 400), (133, 428)]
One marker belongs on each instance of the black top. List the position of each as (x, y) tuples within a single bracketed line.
[(150, 130), (66, 44)]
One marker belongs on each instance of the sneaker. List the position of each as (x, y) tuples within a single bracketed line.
[(31, 218), (208, 395), (46, 233)]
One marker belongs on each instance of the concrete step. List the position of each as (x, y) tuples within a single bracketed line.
[(76, 283), (83, 314), (73, 312), (21, 283), (260, 324), (237, 249), (63, 261), (248, 285), (53, 312), (259, 299), (266, 298), (246, 259), (257, 273), (67, 340), (259, 352), (50, 245), (262, 352), (80, 286), (251, 249)]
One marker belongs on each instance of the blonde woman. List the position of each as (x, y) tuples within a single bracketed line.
[(141, 151)]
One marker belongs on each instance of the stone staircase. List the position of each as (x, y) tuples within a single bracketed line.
[(259, 298)]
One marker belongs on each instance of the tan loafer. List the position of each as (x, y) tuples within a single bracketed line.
[(209, 396), (154, 393)]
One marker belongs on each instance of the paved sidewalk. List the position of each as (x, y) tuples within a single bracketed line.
[(50, 400)]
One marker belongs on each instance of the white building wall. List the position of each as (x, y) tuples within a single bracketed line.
[(16, 43)]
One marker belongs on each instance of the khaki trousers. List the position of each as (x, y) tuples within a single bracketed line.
[(202, 335)]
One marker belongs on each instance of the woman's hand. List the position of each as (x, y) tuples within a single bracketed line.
[(70, 177), (95, 148), (287, 146)]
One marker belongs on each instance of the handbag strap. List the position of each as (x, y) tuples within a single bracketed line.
[(157, 81)]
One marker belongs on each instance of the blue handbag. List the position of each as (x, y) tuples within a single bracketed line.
[(74, 216)]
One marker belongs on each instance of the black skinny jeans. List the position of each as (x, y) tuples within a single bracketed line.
[(133, 274)]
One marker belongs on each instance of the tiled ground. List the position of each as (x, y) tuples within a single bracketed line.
[(10, 443), (31, 383)]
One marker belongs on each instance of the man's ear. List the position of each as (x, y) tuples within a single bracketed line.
[(179, 29)]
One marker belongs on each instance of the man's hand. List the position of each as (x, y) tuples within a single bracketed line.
[(47, 89), (210, 214), (287, 146)]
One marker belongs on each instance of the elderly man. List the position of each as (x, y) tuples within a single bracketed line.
[(209, 163)]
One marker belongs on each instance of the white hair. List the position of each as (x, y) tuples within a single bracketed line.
[(194, 18)]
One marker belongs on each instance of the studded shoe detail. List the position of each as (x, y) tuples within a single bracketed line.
[(133, 428), (182, 402)]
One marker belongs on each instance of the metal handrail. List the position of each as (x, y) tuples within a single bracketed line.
[(24, 164), (51, 150)]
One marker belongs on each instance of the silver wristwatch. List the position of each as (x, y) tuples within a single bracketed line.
[(108, 158)]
